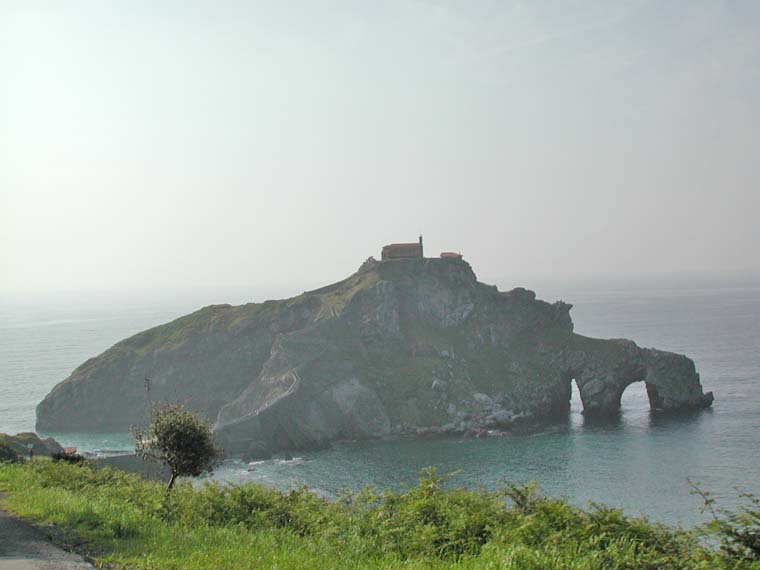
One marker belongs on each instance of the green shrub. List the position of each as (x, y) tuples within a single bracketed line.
[(738, 532), (74, 458), (8, 454), (428, 520)]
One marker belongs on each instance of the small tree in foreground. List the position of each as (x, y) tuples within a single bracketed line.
[(178, 439)]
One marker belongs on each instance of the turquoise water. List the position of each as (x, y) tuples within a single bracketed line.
[(639, 461)]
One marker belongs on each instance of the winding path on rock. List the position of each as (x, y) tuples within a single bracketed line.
[(25, 547)]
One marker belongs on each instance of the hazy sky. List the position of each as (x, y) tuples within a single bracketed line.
[(180, 144)]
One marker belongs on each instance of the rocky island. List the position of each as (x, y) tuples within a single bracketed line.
[(406, 345)]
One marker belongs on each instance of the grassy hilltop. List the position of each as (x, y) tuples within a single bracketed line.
[(123, 521)]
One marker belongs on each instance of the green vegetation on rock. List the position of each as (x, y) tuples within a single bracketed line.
[(20, 443)]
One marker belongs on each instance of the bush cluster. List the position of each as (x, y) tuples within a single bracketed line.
[(8, 454), (74, 458)]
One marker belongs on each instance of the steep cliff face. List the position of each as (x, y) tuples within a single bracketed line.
[(402, 346)]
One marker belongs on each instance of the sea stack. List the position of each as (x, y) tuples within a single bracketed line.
[(406, 345)]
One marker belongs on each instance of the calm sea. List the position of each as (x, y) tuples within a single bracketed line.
[(640, 462)]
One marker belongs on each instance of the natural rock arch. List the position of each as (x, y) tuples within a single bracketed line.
[(602, 372)]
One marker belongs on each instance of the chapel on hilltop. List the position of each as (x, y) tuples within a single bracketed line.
[(402, 251), (411, 251)]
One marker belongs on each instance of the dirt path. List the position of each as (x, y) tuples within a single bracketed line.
[(24, 547)]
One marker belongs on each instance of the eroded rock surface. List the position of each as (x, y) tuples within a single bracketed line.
[(401, 347)]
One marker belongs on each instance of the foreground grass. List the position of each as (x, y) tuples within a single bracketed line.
[(128, 522)]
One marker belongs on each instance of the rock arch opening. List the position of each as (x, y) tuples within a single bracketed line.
[(576, 404), (634, 397), (669, 380)]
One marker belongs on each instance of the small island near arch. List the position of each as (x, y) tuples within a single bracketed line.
[(406, 345)]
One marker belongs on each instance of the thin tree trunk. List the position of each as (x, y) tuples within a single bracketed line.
[(171, 483)]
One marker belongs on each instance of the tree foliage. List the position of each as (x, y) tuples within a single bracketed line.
[(179, 440)]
